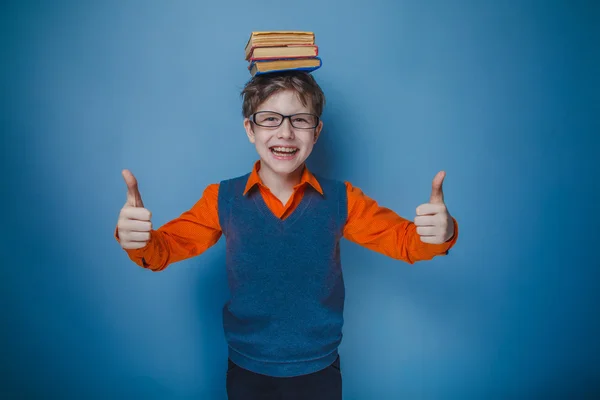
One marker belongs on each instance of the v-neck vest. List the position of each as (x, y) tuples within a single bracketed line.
[(285, 314)]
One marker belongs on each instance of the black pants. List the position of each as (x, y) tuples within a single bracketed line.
[(325, 384)]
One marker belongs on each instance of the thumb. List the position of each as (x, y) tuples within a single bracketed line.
[(134, 198), (437, 194)]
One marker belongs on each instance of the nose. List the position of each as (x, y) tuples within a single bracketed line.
[(285, 130)]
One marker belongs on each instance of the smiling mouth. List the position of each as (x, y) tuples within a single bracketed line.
[(283, 151)]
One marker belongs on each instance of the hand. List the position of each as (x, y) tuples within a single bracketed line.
[(434, 223), (134, 223)]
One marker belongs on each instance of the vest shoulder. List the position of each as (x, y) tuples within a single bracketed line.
[(329, 182)]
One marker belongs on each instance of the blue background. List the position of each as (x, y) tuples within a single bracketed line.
[(504, 96)]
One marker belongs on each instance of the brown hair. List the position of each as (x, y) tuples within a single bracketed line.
[(260, 87)]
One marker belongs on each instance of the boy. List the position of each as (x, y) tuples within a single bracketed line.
[(282, 224)]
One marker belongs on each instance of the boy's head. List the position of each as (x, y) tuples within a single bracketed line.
[(260, 87), (283, 144)]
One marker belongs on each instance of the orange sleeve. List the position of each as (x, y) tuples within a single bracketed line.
[(189, 235), (382, 230)]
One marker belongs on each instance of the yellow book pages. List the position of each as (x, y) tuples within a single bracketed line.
[(278, 38), (279, 65)]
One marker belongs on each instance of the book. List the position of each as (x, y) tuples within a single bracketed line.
[(278, 38), (279, 52), (298, 64)]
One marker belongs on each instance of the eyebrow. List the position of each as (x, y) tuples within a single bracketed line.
[(298, 112)]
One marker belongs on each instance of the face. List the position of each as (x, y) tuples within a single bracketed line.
[(284, 149)]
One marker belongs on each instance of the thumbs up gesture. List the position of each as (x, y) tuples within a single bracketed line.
[(134, 223), (434, 223)]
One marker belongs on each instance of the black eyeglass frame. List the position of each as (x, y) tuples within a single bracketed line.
[(283, 117)]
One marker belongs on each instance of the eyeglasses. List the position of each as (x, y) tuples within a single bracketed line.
[(271, 119)]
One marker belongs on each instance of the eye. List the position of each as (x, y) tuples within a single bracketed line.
[(269, 119)]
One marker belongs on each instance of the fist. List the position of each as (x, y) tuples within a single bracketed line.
[(134, 223), (434, 223)]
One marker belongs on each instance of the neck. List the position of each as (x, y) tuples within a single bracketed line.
[(280, 183)]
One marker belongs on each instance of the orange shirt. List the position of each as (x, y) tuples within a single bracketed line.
[(370, 225)]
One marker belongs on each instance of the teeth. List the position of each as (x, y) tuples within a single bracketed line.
[(284, 149)]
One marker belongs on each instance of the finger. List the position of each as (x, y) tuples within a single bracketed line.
[(138, 236), (137, 213), (134, 198), (132, 225), (431, 239), (427, 220), (437, 194), (429, 231), (430, 209), (133, 245)]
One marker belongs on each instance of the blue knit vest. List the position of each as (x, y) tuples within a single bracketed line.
[(285, 315)]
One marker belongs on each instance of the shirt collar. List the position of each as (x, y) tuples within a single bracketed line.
[(306, 178)]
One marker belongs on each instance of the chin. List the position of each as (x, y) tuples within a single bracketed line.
[(284, 169), (283, 166)]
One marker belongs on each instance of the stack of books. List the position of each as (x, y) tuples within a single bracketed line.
[(275, 51)]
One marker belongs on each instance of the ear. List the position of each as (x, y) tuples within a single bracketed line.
[(318, 131), (249, 131)]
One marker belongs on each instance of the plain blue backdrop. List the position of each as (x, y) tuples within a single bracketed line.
[(503, 96)]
